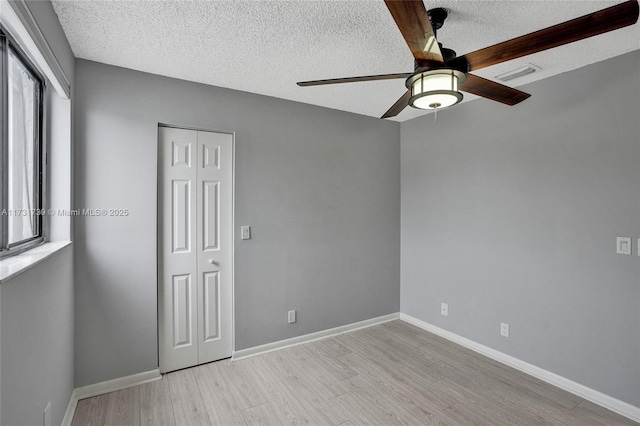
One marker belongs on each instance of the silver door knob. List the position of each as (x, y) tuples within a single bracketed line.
[(213, 262)]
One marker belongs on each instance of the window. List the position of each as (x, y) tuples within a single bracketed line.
[(21, 151)]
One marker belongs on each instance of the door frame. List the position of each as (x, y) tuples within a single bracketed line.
[(233, 226)]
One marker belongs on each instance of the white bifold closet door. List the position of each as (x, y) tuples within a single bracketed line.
[(195, 284)]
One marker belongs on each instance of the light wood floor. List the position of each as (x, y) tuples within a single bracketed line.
[(389, 374)]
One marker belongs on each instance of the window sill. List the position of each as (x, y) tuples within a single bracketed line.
[(15, 265)]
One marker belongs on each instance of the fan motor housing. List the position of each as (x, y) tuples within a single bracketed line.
[(437, 16)]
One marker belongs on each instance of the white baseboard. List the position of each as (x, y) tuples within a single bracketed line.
[(71, 409), (606, 401), (117, 384), (281, 344), (106, 387)]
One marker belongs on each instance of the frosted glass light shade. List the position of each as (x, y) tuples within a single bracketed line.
[(435, 89)]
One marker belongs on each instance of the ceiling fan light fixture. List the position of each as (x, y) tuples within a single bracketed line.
[(435, 89)]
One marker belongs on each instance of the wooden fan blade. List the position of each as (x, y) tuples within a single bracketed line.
[(400, 104), (413, 22), (600, 22), (492, 90), (354, 79)]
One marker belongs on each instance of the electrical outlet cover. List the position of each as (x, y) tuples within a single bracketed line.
[(444, 309)]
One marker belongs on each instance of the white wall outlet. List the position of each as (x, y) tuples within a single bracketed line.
[(504, 329), (46, 421), (246, 232), (623, 245), (444, 309), (291, 318)]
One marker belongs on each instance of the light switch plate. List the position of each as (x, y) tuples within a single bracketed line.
[(504, 329), (246, 232), (623, 245)]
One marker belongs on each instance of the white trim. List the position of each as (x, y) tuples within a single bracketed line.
[(606, 401), (298, 340), (105, 387), (19, 21), (71, 409), (233, 241), (117, 384), (13, 266)]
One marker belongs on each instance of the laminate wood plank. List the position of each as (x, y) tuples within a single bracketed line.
[(431, 346), (519, 380), (91, 411), (396, 329), (526, 404), (283, 403), (217, 398), (396, 379), (261, 415), (364, 411), (470, 413), (422, 402), (404, 357), (188, 407), (123, 407), (156, 407), (386, 400), (450, 350), (537, 412), (455, 365), (499, 406), (413, 355), (331, 364), (327, 379), (323, 410), (588, 411), (241, 385), (330, 347), (392, 364), (503, 376)]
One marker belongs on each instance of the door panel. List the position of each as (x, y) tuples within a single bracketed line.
[(211, 306), (178, 342), (210, 215), (182, 317), (181, 215), (195, 291), (215, 246)]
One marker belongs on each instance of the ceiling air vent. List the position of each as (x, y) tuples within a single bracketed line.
[(518, 72)]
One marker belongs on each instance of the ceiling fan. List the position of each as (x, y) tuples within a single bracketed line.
[(439, 74)]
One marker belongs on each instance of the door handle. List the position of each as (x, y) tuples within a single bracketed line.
[(213, 262)]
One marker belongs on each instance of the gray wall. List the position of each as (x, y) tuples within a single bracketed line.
[(36, 309), (37, 342), (320, 188), (511, 214)]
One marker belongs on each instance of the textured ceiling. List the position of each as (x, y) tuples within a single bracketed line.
[(265, 47)]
